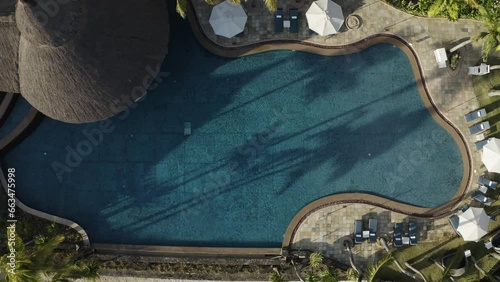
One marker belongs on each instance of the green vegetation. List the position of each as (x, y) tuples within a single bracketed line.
[(277, 277), (454, 59), (182, 5), (374, 267), (420, 256), (40, 253), (487, 11), (450, 9), (481, 85), (491, 37), (38, 261), (315, 260)]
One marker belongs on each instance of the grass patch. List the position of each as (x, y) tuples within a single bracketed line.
[(481, 85), (420, 256)]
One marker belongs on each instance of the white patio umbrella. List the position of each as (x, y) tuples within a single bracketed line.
[(473, 224), (228, 19), (491, 155), (325, 17)]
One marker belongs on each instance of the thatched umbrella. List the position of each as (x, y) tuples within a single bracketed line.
[(9, 47), (81, 62)]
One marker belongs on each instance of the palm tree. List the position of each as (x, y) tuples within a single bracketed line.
[(329, 275), (491, 37), (452, 7), (42, 261), (272, 5), (182, 5), (315, 260), (277, 277), (373, 268), (312, 277)]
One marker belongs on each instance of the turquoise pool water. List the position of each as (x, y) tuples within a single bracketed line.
[(270, 133)]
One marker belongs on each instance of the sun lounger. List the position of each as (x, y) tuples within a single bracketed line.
[(358, 231), (278, 21), (483, 189), (479, 145), (486, 182), (478, 127), (413, 230), (441, 57), (475, 115), (372, 225), (480, 197), (479, 70), (294, 21), (454, 223), (398, 235)]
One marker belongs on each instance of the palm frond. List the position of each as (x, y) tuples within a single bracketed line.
[(373, 268), (490, 43), (272, 5), (453, 10), (315, 260), (181, 8), (436, 8)]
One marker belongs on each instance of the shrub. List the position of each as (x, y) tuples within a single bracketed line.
[(454, 60)]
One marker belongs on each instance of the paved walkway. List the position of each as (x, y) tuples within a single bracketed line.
[(323, 231), (451, 91)]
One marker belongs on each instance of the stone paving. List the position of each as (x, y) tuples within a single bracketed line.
[(323, 230), (451, 91)]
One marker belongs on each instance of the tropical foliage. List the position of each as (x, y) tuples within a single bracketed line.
[(315, 260), (491, 37), (40, 261), (182, 5), (373, 268), (277, 277)]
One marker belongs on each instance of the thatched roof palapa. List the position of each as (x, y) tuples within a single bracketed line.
[(9, 46), (77, 61)]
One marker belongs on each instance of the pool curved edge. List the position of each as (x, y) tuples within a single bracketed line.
[(325, 50), (50, 217)]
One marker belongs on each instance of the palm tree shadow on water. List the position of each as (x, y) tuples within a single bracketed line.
[(147, 190)]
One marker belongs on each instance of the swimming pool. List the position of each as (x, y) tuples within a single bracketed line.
[(271, 133)]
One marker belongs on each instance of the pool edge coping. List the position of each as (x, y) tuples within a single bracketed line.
[(330, 50), (310, 208)]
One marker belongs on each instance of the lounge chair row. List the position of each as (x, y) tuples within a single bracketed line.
[(478, 127), (360, 235), (293, 21), (400, 240), (481, 180), (485, 185)]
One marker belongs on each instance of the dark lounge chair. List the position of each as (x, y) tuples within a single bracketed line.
[(475, 115), (372, 225), (479, 145), (358, 231), (278, 21), (480, 197), (398, 235), (478, 127), (454, 223), (413, 230), (486, 182), (294, 21)]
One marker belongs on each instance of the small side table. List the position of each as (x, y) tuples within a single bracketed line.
[(480, 137)]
